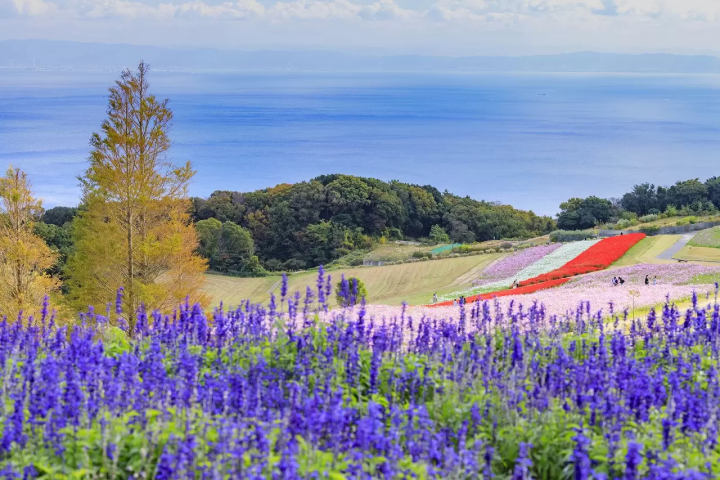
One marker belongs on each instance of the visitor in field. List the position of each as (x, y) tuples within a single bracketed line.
[(455, 302), (435, 299), (614, 281), (647, 280), (655, 280), (621, 280)]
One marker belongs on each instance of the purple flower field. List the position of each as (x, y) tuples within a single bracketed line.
[(271, 392), (508, 266)]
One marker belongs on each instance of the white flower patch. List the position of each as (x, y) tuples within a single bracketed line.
[(546, 264)]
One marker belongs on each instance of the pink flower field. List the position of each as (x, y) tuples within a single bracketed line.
[(595, 288)]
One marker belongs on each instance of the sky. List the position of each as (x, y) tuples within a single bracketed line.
[(438, 27)]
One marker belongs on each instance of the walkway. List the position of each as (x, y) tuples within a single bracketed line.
[(677, 246)]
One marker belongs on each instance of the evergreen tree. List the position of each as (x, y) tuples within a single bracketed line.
[(134, 229)]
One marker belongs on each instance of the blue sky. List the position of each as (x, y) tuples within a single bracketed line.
[(446, 27)]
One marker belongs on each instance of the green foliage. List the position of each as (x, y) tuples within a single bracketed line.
[(208, 236), (438, 235), (235, 252), (59, 216), (354, 293), (650, 229), (648, 218), (623, 223), (316, 222), (571, 236), (579, 213), (59, 239), (691, 194)]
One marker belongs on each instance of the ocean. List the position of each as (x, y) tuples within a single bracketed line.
[(529, 140)]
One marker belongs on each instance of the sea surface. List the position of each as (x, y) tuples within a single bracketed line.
[(529, 140)]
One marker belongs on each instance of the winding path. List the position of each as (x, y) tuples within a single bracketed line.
[(677, 246)]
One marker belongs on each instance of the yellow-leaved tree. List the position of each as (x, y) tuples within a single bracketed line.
[(134, 230), (24, 256)]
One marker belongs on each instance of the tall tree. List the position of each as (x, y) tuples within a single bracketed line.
[(134, 230), (24, 256), (641, 200)]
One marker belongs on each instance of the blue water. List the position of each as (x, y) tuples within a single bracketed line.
[(529, 140)]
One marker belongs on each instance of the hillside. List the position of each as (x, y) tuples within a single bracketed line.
[(306, 224), (413, 283)]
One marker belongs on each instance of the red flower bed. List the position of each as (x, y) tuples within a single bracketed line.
[(598, 257), (513, 291)]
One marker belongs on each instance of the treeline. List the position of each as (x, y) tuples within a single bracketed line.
[(688, 197), (306, 224)]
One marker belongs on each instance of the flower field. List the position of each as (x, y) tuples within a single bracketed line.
[(585, 257), (707, 238), (273, 392), (598, 257), (511, 265), (554, 258)]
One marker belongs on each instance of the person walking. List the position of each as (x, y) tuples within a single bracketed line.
[(647, 280), (614, 281), (655, 280), (455, 302), (621, 280), (435, 299)]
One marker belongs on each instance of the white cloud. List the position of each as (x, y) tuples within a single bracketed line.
[(34, 8), (228, 10)]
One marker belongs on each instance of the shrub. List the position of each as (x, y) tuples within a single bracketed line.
[(506, 245), (648, 218), (571, 235), (439, 235), (671, 211), (650, 229), (692, 220), (622, 224), (350, 291), (682, 222)]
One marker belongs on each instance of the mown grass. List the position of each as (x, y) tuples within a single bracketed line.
[(413, 283), (699, 254), (647, 250)]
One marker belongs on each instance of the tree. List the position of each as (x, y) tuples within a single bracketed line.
[(208, 232), (59, 215), (439, 235), (134, 229), (579, 213), (235, 250), (350, 291), (641, 200), (24, 256), (59, 239), (713, 188), (687, 193)]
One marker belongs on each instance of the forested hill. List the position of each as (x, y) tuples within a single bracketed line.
[(310, 223)]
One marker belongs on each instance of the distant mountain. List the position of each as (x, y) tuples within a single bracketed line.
[(57, 54)]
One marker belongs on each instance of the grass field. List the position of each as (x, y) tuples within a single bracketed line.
[(647, 250), (414, 283), (699, 254)]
